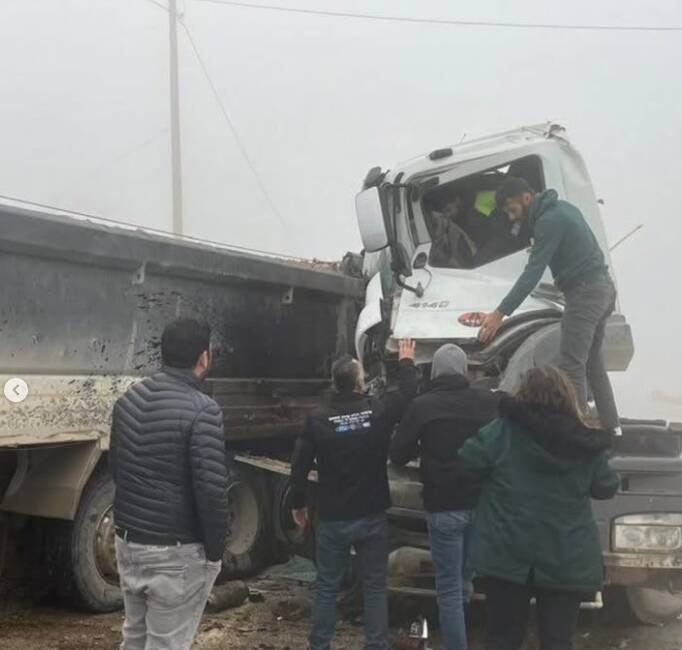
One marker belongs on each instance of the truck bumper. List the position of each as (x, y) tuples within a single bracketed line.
[(654, 570)]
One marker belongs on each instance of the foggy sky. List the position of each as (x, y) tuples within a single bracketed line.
[(316, 101)]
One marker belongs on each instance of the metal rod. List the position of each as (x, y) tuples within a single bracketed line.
[(176, 152), (626, 237)]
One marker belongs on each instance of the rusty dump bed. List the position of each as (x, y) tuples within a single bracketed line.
[(83, 306)]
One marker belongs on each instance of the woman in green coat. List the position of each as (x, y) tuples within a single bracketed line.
[(534, 532)]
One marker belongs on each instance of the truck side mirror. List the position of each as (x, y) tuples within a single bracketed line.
[(371, 219)]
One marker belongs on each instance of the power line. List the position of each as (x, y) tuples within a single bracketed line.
[(444, 21), (226, 115), (158, 4), (126, 154), (233, 129)]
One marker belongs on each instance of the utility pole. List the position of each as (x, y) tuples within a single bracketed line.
[(176, 153)]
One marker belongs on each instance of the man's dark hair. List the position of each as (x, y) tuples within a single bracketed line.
[(448, 194), (345, 373), (510, 187), (183, 341)]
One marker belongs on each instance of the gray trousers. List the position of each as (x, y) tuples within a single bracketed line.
[(165, 589), (588, 307)]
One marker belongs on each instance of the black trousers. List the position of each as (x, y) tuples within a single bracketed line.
[(508, 611)]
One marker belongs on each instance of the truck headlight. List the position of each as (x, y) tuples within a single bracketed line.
[(654, 533)]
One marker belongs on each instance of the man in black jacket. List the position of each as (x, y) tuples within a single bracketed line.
[(437, 424), (350, 439), (169, 464)]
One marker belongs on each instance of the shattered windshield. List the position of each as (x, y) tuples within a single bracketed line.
[(467, 228)]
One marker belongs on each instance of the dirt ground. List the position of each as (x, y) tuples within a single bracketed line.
[(279, 620)]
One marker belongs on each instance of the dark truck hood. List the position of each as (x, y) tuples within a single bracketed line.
[(649, 457)]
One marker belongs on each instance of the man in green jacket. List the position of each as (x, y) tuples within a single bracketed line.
[(563, 240)]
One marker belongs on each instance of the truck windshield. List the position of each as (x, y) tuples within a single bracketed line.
[(467, 229)]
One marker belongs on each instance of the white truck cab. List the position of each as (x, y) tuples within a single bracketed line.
[(434, 293), (433, 287)]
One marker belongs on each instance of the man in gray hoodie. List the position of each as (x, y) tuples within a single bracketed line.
[(435, 426)]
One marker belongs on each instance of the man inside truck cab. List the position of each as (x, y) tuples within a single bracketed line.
[(468, 230), (563, 240), (452, 244)]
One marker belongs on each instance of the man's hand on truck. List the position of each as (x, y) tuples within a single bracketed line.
[(491, 323), (407, 349), (300, 516)]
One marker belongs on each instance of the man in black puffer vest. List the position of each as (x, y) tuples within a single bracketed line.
[(169, 464)]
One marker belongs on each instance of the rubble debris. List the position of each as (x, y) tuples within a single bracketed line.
[(227, 596), (292, 609)]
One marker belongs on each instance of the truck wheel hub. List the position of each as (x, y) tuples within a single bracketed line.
[(243, 518), (105, 547)]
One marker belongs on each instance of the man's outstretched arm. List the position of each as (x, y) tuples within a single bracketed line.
[(548, 233), (396, 401)]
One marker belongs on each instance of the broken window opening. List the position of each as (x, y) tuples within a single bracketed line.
[(467, 228)]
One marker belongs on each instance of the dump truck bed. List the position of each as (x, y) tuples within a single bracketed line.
[(84, 304)]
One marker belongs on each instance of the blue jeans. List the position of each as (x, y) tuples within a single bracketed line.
[(369, 537), (447, 531)]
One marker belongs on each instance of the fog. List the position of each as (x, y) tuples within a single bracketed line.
[(315, 101)]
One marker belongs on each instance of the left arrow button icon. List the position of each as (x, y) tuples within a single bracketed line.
[(16, 390)]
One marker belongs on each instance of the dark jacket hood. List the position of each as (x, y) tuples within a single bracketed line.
[(541, 204), (449, 359), (562, 435), (449, 382)]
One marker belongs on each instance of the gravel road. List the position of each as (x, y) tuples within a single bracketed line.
[(279, 622)]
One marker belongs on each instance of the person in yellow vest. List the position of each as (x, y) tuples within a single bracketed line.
[(468, 236), (452, 246)]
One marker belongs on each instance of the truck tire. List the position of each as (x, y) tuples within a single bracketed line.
[(88, 575), (654, 606), (289, 538), (249, 541)]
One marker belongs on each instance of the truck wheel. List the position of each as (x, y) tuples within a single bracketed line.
[(88, 575), (654, 606), (289, 538), (249, 540)]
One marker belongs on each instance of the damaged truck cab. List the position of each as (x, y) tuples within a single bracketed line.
[(419, 290), (438, 255)]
